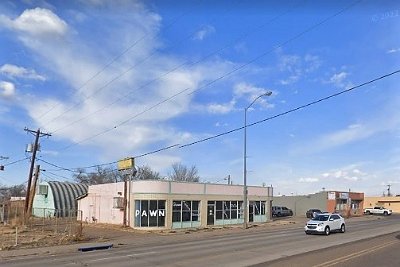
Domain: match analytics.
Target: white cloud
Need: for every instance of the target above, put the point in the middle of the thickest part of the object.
(37, 22)
(134, 102)
(205, 31)
(340, 80)
(352, 133)
(394, 50)
(350, 173)
(312, 63)
(220, 124)
(308, 180)
(297, 66)
(250, 92)
(20, 72)
(221, 108)
(7, 89)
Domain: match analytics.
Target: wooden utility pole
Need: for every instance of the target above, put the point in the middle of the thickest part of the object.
(37, 134)
(33, 189)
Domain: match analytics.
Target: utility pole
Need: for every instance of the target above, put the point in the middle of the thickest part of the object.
(33, 189)
(37, 134)
(388, 190)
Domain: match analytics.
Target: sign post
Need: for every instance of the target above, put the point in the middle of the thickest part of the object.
(126, 166)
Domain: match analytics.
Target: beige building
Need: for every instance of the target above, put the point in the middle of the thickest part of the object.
(345, 203)
(173, 205)
(392, 203)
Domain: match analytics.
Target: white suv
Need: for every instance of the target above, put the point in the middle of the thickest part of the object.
(325, 223)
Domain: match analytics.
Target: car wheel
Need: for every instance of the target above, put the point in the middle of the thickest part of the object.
(368, 212)
(343, 228)
(307, 233)
(327, 230)
(385, 213)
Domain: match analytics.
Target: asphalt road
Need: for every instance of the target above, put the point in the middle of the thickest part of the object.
(259, 247)
(382, 251)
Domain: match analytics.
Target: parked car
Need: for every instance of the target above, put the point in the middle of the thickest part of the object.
(279, 211)
(311, 213)
(325, 224)
(378, 211)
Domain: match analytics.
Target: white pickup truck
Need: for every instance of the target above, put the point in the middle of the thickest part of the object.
(377, 211)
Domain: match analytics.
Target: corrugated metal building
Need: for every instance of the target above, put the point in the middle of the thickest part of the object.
(56, 198)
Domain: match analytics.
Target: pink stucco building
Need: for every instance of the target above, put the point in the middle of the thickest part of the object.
(170, 205)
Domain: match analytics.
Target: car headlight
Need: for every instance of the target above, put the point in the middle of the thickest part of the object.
(320, 224)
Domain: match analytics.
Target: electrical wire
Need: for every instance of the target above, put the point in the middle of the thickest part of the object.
(186, 63)
(54, 165)
(297, 36)
(14, 162)
(126, 50)
(254, 123)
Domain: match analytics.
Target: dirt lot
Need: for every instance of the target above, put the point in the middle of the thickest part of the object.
(13, 237)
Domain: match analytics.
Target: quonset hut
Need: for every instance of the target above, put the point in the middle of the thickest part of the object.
(58, 199)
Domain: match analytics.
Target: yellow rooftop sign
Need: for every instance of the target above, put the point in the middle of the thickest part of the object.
(126, 163)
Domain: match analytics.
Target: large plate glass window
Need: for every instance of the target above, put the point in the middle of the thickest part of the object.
(150, 213)
(185, 211)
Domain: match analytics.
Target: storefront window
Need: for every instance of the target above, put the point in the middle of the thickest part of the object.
(228, 210)
(150, 213)
(185, 211)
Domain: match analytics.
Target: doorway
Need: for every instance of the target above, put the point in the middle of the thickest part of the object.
(210, 212)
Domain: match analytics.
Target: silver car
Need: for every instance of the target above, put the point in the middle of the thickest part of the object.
(325, 224)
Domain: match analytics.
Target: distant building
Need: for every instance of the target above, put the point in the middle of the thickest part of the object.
(392, 203)
(57, 199)
(346, 203)
(172, 205)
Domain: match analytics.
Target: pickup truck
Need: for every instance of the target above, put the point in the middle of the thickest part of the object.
(377, 211)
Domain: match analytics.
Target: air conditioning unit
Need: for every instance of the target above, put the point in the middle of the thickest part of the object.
(42, 190)
(118, 203)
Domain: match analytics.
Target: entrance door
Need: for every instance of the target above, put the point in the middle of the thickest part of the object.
(210, 212)
(251, 212)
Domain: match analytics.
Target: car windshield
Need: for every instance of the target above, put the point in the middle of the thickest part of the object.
(321, 217)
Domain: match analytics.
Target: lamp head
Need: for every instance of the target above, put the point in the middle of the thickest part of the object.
(268, 93)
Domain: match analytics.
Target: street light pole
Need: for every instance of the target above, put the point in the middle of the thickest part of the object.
(245, 205)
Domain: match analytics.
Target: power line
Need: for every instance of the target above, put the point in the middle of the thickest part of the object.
(117, 77)
(188, 63)
(75, 170)
(126, 50)
(294, 109)
(54, 165)
(254, 123)
(14, 162)
(219, 78)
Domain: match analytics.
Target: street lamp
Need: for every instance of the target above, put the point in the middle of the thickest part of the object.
(245, 211)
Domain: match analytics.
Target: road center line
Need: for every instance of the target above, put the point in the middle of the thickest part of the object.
(355, 255)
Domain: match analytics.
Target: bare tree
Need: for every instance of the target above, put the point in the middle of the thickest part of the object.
(100, 176)
(183, 173)
(12, 191)
(146, 173)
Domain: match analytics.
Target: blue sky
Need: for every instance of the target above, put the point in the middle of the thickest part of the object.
(111, 79)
